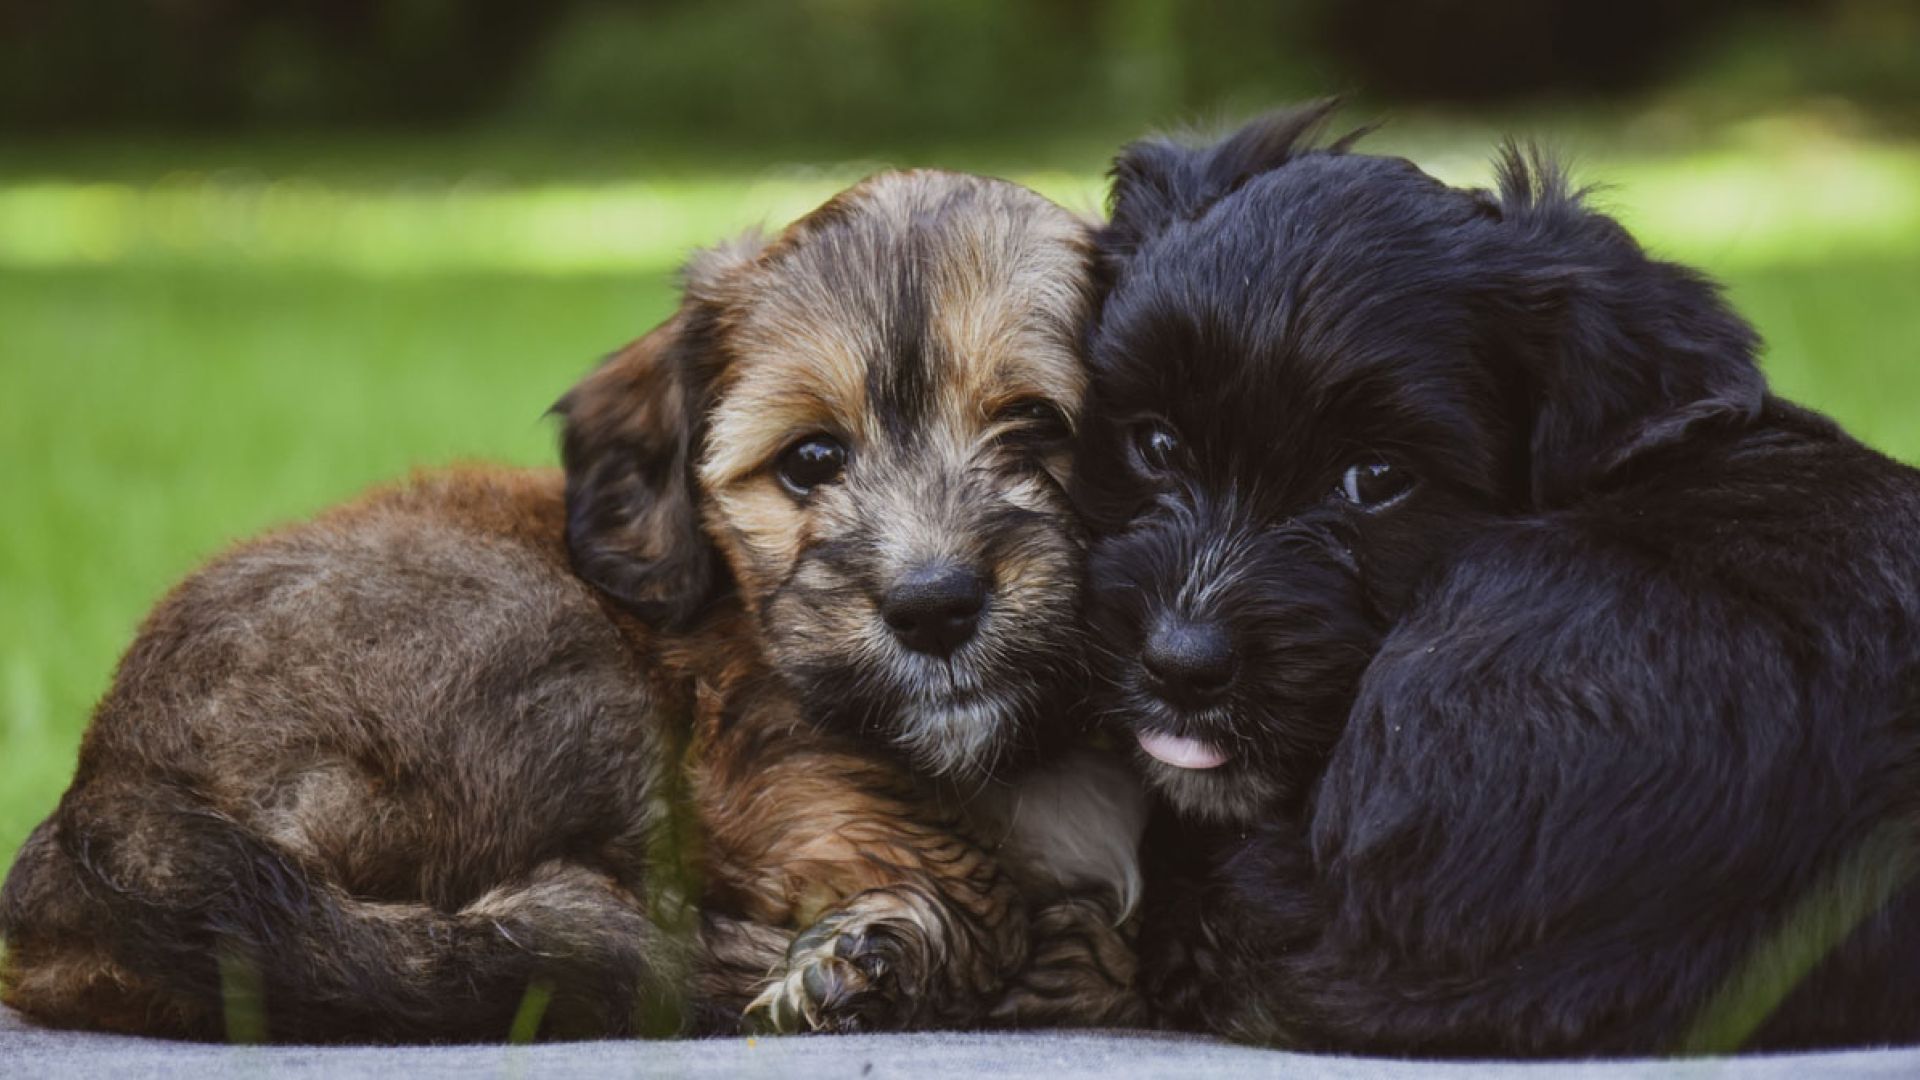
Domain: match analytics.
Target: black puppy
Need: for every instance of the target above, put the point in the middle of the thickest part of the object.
(1543, 684)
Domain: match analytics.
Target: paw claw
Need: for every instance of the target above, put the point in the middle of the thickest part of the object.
(833, 982)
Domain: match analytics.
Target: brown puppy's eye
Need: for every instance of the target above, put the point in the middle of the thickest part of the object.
(1372, 485)
(1031, 411)
(814, 460)
(1156, 445)
(1033, 422)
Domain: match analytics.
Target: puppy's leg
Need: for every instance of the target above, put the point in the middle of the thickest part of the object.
(737, 960)
(868, 965)
(1177, 952)
(1070, 835)
(1081, 971)
(1182, 958)
(931, 952)
(903, 920)
(218, 918)
(57, 965)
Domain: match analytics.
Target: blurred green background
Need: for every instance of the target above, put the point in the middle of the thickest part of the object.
(257, 255)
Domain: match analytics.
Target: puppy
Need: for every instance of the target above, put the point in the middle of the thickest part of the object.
(706, 726)
(1527, 679)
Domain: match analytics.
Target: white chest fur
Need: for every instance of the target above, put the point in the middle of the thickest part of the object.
(1073, 827)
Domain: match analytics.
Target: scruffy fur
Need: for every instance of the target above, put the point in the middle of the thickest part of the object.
(1596, 718)
(632, 735)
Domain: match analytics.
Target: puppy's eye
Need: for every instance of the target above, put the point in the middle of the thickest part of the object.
(1033, 422)
(1372, 485)
(1156, 445)
(814, 460)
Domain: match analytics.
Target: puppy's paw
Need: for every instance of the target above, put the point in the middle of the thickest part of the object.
(1081, 971)
(839, 978)
(1179, 981)
(1181, 965)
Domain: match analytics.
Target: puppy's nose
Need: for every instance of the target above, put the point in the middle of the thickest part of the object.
(1190, 662)
(934, 609)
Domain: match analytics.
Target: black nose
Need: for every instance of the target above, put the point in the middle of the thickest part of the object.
(934, 609)
(1191, 663)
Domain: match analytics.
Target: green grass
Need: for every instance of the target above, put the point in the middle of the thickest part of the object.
(1853, 891)
(187, 358)
(149, 417)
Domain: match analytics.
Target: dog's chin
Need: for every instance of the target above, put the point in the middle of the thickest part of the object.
(958, 736)
(1226, 795)
(1199, 772)
(954, 720)
(977, 713)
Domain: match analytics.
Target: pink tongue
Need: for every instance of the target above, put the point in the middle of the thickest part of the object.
(1181, 753)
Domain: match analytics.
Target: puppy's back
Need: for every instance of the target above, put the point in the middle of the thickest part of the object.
(1698, 692)
(347, 747)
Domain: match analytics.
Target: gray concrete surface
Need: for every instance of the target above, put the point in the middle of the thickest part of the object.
(27, 1052)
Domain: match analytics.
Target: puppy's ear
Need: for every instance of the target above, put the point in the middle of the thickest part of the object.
(630, 442)
(1158, 181)
(1638, 353)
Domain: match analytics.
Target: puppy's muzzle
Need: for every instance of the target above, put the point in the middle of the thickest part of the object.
(934, 609)
(1189, 664)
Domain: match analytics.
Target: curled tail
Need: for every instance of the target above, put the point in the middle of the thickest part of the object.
(180, 920)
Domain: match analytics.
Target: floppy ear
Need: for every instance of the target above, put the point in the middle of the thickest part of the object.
(1158, 181)
(631, 439)
(633, 516)
(1627, 354)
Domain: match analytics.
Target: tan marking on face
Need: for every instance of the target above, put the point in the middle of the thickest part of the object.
(812, 379)
(1000, 308)
(760, 532)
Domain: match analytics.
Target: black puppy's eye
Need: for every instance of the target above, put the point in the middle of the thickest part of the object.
(1157, 445)
(814, 460)
(1371, 485)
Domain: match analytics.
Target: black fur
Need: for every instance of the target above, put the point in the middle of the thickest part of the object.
(1565, 750)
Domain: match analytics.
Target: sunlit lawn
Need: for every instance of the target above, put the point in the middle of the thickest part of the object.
(187, 357)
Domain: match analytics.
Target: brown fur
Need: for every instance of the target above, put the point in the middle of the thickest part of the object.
(386, 770)
(354, 754)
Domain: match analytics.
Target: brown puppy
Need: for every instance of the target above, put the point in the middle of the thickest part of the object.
(382, 773)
